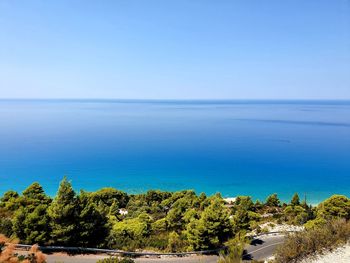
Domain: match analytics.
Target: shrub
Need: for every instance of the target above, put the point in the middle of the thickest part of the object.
(316, 239)
(175, 242)
(234, 252)
(6, 226)
(7, 253)
(115, 260)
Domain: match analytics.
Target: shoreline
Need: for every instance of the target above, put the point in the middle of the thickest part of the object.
(227, 198)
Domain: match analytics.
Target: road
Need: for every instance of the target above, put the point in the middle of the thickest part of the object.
(263, 247)
(260, 249)
(93, 258)
(90, 258)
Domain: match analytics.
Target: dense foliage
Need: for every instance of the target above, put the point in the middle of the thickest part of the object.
(111, 218)
(167, 221)
(329, 228)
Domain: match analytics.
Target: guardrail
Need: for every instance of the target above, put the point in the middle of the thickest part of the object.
(135, 254)
(120, 252)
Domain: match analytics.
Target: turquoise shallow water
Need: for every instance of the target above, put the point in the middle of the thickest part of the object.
(233, 147)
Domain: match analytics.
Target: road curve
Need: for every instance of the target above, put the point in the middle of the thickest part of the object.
(263, 247)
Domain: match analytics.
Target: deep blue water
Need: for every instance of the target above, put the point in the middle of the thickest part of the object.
(234, 147)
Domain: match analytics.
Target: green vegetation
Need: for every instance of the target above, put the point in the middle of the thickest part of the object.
(235, 249)
(8, 254)
(316, 239)
(155, 220)
(110, 218)
(335, 207)
(329, 229)
(116, 260)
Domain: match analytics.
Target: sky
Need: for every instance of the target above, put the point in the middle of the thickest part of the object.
(175, 49)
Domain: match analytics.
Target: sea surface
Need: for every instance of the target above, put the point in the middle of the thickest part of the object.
(234, 147)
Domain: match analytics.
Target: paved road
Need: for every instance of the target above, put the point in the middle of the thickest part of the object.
(64, 258)
(94, 258)
(260, 249)
(263, 247)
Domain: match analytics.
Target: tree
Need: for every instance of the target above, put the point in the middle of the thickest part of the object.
(258, 205)
(131, 233)
(241, 219)
(31, 221)
(295, 214)
(106, 197)
(156, 196)
(35, 195)
(337, 206)
(32, 227)
(64, 216)
(212, 229)
(93, 224)
(9, 201)
(273, 201)
(243, 213)
(175, 217)
(295, 200)
(244, 202)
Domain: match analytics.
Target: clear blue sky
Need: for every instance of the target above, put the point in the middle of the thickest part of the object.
(248, 49)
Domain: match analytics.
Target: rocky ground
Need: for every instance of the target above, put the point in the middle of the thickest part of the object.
(339, 255)
(273, 227)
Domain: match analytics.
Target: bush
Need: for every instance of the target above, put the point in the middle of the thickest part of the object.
(234, 252)
(175, 243)
(313, 240)
(115, 260)
(7, 253)
(6, 226)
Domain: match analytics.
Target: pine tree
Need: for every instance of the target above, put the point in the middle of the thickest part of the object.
(295, 200)
(32, 227)
(258, 205)
(273, 201)
(31, 221)
(212, 229)
(63, 215)
(93, 224)
(35, 191)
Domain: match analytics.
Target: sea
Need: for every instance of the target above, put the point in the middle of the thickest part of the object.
(234, 147)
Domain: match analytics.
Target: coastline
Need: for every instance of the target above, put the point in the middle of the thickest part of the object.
(205, 146)
(227, 197)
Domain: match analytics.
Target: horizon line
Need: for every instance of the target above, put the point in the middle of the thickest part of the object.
(174, 99)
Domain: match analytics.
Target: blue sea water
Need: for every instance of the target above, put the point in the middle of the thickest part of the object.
(234, 147)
